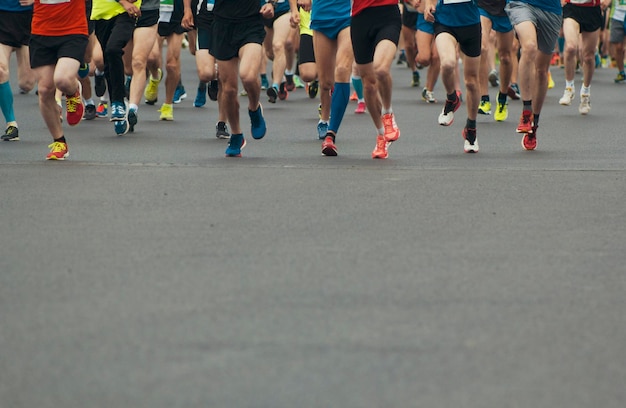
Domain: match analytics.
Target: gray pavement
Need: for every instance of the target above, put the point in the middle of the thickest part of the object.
(150, 271)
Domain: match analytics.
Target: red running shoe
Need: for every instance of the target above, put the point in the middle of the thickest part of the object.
(74, 108)
(328, 147)
(58, 151)
(380, 151)
(525, 122)
(529, 141)
(392, 133)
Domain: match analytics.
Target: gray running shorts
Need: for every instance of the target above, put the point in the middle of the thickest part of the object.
(547, 24)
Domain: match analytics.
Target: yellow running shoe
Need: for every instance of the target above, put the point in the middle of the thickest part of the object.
(502, 112)
(484, 108)
(550, 81)
(152, 90)
(167, 111)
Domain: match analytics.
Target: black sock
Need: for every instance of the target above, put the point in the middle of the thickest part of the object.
(484, 98)
(452, 97)
(536, 119)
(470, 124)
(528, 105)
(61, 139)
(502, 97)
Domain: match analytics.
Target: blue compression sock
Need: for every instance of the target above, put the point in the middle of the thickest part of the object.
(357, 84)
(6, 102)
(338, 105)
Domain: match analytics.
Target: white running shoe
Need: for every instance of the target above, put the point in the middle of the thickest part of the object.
(568, 96)
(585, 104)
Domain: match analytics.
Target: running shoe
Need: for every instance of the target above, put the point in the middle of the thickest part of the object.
(447, 113)
(11, 134)
(494, 79)
(83, 70)
(74, 108)
(58, 151)
(428, 96)
(380, 151)
(322, 129)
(550, 81)
(235, 145)
(568, 96)
(312, 88)
(90, 112)
(290, 85)
(102, 111)
(100, 85)
(121, 127)
(132, 119)
(415, 81)
(529, 141)
(264, 82)
(360, 108)
(502, 111)
(118, 111)
(167, 112)
(513, 92)
(179, 93)
(484, 108)
(392, 133)
(620, 78)
(259, 128)
(354, 96)
(525, 122)
(214, 87)
(221, 130)
(283, 93)
(298, 81)
(585, 104)
(152, 90)
(200, 100)
(471, 140)
(272, 94)
(328, 146)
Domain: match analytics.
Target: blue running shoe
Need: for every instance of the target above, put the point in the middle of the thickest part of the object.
(121, 127)
(272, 94)
(264, 83)
(132, 120)
(322, 129)
(83, 70)
(258, 123)
(180, 93)
(235, 145)
(118, 111)
(200, 96)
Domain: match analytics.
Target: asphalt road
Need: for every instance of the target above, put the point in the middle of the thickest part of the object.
(150, 271)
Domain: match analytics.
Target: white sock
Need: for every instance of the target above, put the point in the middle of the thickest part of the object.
(585, 90)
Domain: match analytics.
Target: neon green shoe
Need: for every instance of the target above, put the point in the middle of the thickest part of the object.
(484, 108)
(152, 90)
(502, 112)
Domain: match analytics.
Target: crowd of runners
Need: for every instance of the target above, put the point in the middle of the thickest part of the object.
(104, 58)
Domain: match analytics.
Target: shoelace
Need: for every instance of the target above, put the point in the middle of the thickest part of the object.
(57, 147)
(72, 102)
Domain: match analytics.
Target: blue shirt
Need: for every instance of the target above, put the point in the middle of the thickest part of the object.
(457, 13)
(330, 9)
(13, 6)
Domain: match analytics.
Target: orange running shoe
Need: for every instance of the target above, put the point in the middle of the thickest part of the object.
(328, 146)
(525, 122)
(380, 152)
(58, 151)
(74, 108)
(360, 108)
(353, 97)
(392, 133)
(529, 141)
